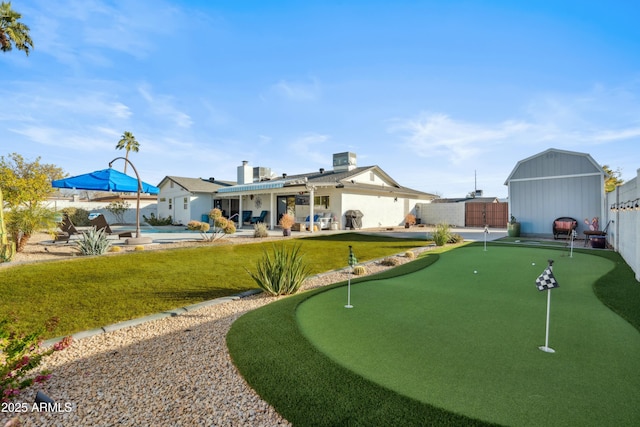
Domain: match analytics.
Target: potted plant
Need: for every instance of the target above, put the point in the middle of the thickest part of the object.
(286, 222)
(409, 220)
(513, 227)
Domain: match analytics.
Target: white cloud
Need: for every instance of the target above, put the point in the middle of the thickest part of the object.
(438, 134)
(163, 106)
(311, 147)
(298, 91)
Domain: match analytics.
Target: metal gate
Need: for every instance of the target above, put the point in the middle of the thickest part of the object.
(491, 214)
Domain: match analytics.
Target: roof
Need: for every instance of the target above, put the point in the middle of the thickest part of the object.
(197, 185)
(586, 156)
(468, 200)
(329, 178)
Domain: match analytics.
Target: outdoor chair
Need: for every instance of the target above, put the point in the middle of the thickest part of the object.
(257, 219)
(246, 217)
(67, 230)
(100, 223)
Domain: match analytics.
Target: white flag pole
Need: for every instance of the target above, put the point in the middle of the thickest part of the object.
(349, 290)
(573, 235)
(486, 231)
(546, 347)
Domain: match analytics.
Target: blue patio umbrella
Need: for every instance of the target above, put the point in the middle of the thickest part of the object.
(112, 180)
(105, 180)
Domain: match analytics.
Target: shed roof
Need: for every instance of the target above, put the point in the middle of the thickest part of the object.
(197, 185)
(555, 163)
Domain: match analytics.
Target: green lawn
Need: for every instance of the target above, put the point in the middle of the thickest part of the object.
(445, 346)
(91, 292)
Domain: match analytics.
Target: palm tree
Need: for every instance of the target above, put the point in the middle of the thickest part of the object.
(13, 32)
(129, 143)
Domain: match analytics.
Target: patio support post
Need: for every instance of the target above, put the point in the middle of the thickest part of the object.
(311, 207)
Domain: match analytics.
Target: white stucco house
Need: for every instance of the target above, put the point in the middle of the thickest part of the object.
(325, 194)
(184, 199)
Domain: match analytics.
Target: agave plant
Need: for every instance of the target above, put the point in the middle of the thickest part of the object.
(281, 273)
(93, 242)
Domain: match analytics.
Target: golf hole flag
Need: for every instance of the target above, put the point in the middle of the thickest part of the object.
(546, 280)
(352, 261)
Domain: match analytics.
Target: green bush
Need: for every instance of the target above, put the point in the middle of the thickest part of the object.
(260, 230)
(22, 353)
(157, 221)
(78, 216)
(283, 273)
(93, 242)
(441, 234)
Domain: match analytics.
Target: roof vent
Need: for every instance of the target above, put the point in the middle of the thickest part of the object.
(212, 179)
(284, 175)
(321, 170)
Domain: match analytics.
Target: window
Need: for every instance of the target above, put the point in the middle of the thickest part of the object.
(170, 204)
(186, 203)
(321, 201)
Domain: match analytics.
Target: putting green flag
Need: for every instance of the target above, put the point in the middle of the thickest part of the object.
(352, 258)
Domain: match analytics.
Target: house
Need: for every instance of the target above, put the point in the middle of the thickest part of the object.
(184, 199)
(326, 195)
(553, 184)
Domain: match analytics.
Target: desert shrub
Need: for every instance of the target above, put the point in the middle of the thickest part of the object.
(410, 254)
(455, 238)
(410, 219)
(22, 353)
(139, 248)
(118, 209)
(194, 225)
(389, 262)
(359, 270)
(441, 234)
(230, 228)
(93, 242)
(157, 221)
(260, 230)
(281, 273)
(115, 249)
(78, 216)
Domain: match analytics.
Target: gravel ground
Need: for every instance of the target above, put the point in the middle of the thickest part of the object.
(174, 371)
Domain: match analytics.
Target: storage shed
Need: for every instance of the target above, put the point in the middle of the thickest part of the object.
(553, 184)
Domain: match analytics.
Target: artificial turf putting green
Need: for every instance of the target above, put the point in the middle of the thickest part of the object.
(468, 342)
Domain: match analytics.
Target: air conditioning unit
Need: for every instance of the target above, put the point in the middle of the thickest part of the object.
(261, 174)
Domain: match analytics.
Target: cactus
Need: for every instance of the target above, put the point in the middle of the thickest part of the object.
(359, 270)
(7, 249)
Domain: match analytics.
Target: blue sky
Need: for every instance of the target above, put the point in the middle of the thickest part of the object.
(433, 92)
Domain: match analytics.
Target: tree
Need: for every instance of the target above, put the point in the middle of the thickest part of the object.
(25, 183)
(25, 186)
(613, 181)
(13, 32)
(128, 143)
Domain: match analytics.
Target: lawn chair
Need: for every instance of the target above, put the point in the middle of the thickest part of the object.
(67, 230)
(246, 217)
(100, 223)
(257, 219)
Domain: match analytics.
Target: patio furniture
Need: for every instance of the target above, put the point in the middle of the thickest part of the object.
(260, 218)
(246, 217)
(564, 225)
(68, 229)
(596, 237)
(100, 223)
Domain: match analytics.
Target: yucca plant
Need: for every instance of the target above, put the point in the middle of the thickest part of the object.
(441, 234)
(359, 270)
(93, 242)
(281, 273)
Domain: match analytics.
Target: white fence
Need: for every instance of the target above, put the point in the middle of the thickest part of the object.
(437, 213)
(146, 208)
(623, 210)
